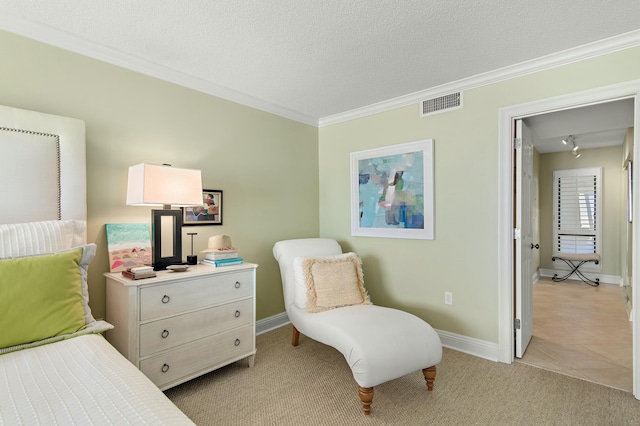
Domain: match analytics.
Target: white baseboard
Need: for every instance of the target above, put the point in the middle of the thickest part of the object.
(536, 276)
(468, 345)
(271, 323)
(604, 279)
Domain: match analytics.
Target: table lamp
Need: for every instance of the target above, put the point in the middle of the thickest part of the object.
(166, 186)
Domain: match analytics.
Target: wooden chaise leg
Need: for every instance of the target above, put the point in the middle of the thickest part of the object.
(366, 396)
(295, 337)
(430, 376)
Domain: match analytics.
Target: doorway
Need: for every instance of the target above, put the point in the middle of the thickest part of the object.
(578, 329)
(506, 273)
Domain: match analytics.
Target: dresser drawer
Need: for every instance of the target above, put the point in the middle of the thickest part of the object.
(170, 332)
(192, 293)
(208, 353)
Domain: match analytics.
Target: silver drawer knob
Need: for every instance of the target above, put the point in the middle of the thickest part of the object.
(237, 284)
(165, 299)
(237, 314)
(165, 368)
(237, 342)
(165, 334)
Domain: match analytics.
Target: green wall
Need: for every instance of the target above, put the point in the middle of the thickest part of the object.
(463, 258)
(612, 194)
(266, 165)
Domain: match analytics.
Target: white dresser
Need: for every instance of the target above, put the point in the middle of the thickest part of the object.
(180, 325)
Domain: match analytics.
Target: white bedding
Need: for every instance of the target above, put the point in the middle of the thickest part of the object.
(83, 380)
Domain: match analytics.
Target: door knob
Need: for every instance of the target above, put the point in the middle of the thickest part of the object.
(537, 246)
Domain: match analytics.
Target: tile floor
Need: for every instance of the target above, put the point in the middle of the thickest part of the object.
(582, 331)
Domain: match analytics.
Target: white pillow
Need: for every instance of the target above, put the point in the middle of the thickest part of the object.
(46, 237)
(88, 253)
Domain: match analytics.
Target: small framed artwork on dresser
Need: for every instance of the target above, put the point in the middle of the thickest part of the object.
(208, 213)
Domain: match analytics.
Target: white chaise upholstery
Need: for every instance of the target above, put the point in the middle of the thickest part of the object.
(378, 343)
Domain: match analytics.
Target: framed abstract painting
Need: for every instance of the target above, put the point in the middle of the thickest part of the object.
(392, 191)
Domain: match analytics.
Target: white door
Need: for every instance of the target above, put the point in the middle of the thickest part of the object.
(523, 244)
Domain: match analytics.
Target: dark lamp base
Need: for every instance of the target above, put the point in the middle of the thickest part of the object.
(162, 266)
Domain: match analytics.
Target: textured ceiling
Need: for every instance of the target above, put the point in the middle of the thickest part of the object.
(323, 58)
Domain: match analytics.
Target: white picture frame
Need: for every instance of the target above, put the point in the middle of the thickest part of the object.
(392, 191)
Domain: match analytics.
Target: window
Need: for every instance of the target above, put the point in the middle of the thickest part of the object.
(577, 201)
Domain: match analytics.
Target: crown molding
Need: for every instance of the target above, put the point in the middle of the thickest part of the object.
(63, 40)
(587, 51)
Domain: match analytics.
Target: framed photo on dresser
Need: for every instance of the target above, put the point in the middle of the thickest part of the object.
(208, 213)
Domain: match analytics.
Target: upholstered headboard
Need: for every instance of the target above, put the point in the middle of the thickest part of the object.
(42, 167)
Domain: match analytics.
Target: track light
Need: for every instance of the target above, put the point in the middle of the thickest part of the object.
(575, 148)
(572, 140)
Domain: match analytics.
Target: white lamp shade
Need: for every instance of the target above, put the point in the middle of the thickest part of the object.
(153, 185)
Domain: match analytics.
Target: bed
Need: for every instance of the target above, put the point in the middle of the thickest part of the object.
(55, 365)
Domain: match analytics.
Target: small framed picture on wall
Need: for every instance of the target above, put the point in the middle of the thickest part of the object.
(208, 213)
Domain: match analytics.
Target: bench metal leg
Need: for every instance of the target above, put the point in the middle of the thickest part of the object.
(575, 269)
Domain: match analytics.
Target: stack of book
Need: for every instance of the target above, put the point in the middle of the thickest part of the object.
(222, 258)
(139, 272)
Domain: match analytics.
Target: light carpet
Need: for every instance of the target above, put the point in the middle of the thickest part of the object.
(312, 385)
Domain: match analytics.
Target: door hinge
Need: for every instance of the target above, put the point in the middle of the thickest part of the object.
(516, 324)
(516, 233)
(517, 143)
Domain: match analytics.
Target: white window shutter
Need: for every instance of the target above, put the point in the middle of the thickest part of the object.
(577, 210)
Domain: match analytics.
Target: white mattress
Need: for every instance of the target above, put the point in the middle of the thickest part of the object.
(83, 380)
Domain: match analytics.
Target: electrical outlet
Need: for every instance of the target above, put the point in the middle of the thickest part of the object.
(448, 298)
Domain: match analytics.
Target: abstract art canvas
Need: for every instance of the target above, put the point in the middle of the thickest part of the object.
(129, 245)
(392, 191)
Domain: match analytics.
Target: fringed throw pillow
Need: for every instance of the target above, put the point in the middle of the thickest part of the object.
(333, 282)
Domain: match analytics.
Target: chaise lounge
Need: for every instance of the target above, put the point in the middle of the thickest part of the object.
(325, 300)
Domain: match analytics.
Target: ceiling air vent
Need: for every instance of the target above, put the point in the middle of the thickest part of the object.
(441, 104)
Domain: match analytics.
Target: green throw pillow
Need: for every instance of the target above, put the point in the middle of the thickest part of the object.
(40, 297)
